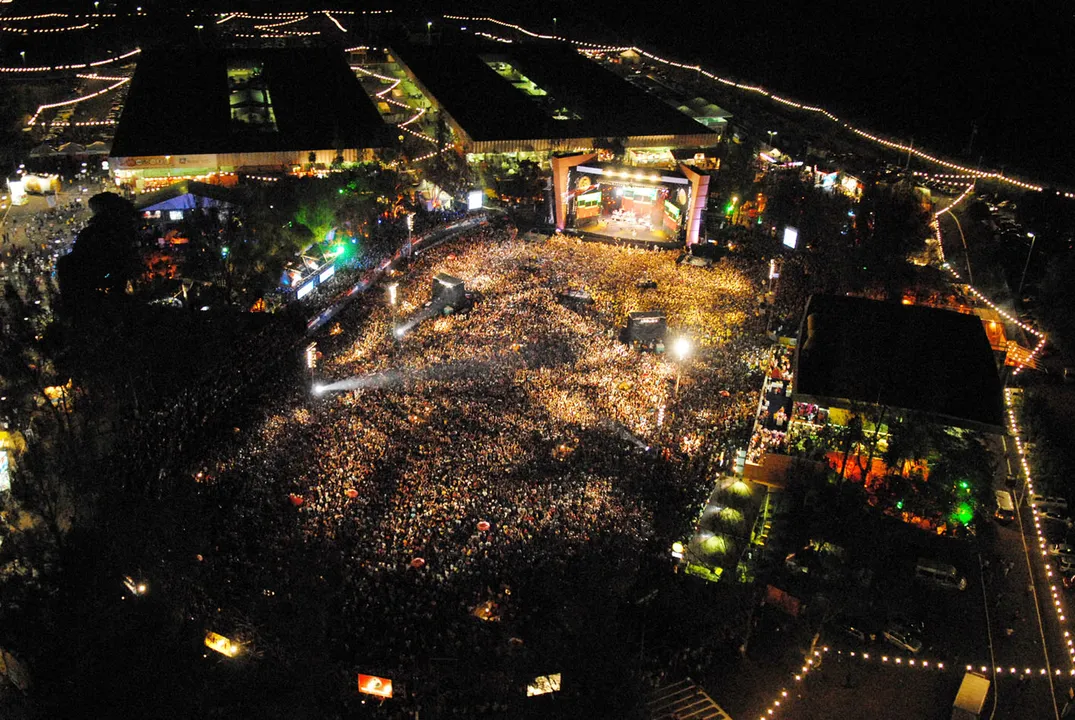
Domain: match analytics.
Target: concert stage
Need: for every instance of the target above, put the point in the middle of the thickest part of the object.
(630, 205)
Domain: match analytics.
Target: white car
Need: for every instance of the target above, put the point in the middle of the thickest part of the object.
(903, 639)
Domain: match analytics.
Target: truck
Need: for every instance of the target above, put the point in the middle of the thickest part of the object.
(970, 700)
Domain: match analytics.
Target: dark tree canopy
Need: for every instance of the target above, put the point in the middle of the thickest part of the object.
(104, 259)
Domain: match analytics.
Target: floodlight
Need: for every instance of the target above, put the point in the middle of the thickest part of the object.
(681, 347)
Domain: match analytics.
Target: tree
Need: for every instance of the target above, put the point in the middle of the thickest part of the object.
(104, 260)
(891, 226)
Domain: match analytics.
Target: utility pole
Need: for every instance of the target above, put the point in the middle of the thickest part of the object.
(1019, 292)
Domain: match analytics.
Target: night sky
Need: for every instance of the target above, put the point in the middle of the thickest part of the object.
(927, 70)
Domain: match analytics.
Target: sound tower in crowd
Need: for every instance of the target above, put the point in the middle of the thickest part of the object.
(450, 290)
(647, 328)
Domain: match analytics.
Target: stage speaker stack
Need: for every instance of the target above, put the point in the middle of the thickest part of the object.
(647, 328)
(449, 289)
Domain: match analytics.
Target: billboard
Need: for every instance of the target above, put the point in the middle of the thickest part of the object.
(373, 685)
(791, 237)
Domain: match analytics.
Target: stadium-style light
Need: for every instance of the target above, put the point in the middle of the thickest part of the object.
(681, 347)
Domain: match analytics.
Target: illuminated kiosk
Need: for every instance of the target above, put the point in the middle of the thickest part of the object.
(624, 204)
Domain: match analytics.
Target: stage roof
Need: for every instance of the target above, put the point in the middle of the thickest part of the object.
(180, 103)
(182, 195)
(854, 350)
(488, 107)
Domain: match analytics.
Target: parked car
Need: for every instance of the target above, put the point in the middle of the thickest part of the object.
(1047, 502)
(903, 639)
(1054, 515)
(1062, 550)
(853, 628)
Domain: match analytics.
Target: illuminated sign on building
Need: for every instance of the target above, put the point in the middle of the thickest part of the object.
(373, 685)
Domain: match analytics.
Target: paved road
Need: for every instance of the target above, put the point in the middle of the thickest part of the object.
(1022, 596)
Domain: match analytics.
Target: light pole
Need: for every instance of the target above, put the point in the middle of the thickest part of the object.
(410, 234)
(1019, 292)
(554, 26)
(429, 32)
(771, 133)
(681, 348)
(392, 298)
(966, 251)
(22, 53)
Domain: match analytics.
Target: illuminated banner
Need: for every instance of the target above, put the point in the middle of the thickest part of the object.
(221, 644)
(373, 685)
(543, 684)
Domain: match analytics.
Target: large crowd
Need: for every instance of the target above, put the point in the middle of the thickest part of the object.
(475, 463)
(30, 243)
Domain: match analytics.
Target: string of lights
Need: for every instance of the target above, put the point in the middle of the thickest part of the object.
(1024, 463)
(335, 21)
(78, 123)
(75, 101)
(497, 38)
(962, 196)
(282, 23)
(41, 31)
(95, 76)
(757, 89)
(73, 66)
